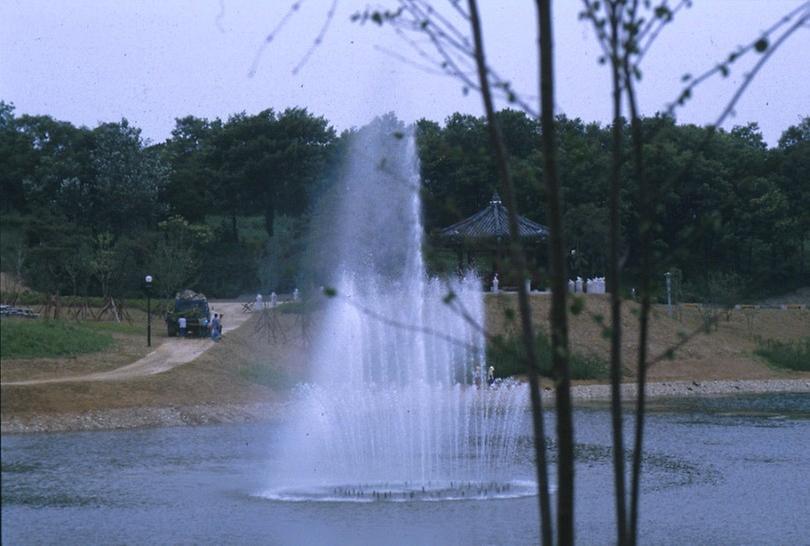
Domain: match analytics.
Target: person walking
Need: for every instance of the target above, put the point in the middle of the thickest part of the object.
(181, 323)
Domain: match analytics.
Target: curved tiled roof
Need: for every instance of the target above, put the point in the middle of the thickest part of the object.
(493, 222)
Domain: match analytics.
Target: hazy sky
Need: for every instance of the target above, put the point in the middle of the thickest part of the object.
(150, 61)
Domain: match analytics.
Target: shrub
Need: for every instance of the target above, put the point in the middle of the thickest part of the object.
(786, 354)
(508, 357)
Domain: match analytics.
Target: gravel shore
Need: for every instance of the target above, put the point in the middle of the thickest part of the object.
(112, 419)
(681, 389)
(207, 414)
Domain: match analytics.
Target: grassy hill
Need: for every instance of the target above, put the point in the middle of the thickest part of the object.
(726, 351)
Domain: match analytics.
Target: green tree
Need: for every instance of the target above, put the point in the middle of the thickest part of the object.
(176, 256)
(793, 156)
(269, 163)
(188, 153)
(128, 179)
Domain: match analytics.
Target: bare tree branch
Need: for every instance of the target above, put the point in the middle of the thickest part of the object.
(803, 11)
(519, 257)
(273, 33)
(749, 77)
(318, 39)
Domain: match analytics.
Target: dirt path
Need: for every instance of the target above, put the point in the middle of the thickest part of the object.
(171, 353)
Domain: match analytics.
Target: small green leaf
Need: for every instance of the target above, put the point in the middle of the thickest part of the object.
(663, 12)
(399, 135)
(329, 292)
(761, 45)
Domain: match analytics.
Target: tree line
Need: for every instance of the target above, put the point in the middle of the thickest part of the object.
(739, 216)
(89, 211)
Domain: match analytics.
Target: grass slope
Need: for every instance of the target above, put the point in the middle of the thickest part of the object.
(23, 338)
(726, 352)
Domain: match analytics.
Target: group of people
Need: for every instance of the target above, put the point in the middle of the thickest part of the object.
(215, 327)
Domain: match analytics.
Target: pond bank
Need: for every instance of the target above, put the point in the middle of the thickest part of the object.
(209, 414)
(685, 389)
(145, 417)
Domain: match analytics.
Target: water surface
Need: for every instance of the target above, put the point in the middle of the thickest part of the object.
(717, 471)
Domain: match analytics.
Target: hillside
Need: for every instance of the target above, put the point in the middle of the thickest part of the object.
(248, 375)
(727, 352)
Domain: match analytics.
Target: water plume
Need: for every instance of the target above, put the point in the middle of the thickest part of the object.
(398, 407)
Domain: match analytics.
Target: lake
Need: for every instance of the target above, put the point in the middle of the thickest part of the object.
(726, 470)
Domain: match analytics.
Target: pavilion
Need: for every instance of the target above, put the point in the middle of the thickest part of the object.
(487, 232)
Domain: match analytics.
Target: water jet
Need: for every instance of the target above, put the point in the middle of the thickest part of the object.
(396, 409)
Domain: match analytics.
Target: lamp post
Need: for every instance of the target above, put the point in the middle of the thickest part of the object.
(148, 286)
(574, 267)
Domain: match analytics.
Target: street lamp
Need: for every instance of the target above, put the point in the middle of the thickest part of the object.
(148, 286)
(573, 267)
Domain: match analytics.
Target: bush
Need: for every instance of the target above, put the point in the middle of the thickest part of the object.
(22, 338)
(786, 354)
(508, 357)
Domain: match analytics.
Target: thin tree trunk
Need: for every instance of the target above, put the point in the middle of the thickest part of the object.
(645, 228)
(614, 285)
(557, 256)
(519, 257)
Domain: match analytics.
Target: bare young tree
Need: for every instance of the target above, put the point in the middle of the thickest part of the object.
(519, 258)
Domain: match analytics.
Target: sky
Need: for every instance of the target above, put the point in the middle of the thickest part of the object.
(151, 61)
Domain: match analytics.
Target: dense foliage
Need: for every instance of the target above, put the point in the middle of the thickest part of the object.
(225, 206)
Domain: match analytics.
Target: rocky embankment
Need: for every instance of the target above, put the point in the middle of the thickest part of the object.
(680, 389)
(208, 414)
(111, 419)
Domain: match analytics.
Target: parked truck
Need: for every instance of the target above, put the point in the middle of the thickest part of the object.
(193, 306)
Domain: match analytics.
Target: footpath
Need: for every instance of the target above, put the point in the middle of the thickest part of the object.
(171, 353)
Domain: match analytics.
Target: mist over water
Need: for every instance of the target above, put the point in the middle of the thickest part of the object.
(398, 406)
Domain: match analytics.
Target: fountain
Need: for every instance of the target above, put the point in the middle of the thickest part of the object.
(399, 408)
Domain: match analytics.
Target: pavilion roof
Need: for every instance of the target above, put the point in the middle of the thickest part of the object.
(492, 222)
